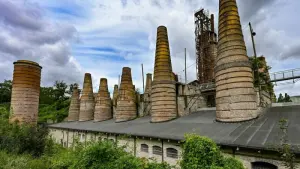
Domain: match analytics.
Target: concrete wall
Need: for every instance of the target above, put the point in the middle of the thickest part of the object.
(189, 99)
(285, 104)
(130, 144)
(133, 145)
(295, 99)
(247, 161)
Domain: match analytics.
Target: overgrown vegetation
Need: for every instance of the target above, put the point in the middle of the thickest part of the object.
(202, 152)
(261, 76)
(23, 147)
(285, 149)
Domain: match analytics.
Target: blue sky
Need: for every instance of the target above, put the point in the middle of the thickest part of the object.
(71, 37)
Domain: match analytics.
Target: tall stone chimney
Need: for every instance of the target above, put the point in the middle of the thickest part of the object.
(115, 94)
(163, 91)
(87, 103)
(103, 102)
(235, 95)
(147, 94)
(126, 107)
(74, 106)
(114, 99)
(148, 83)
(25, 92)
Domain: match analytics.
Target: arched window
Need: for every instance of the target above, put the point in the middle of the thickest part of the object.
(144, 148)
(157, 150)
(263, 165)
(172, 153)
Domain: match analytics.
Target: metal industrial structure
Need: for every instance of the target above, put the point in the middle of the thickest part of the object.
(206, 46)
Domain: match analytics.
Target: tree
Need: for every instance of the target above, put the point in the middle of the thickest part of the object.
(202, 152)
(47, 95)
(71, 88)
(5, 91)
(282, 99)
(60, 89)
(287, 98)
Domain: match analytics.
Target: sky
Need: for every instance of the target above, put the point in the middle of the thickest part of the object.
(71, 37)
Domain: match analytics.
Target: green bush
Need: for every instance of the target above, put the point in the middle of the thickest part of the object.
(101, 155)
(230, 162)
(22, 138)
(202, 152)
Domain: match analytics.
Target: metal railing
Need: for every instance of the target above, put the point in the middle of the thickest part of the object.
(292, 74)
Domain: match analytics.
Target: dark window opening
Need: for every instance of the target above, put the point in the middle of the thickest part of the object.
(172, 153)
(263, 165)
(144, 148)
(157, 150)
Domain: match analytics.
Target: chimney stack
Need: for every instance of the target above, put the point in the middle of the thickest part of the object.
(126, 107)
(74, 105)
(114, 100)
(148, 83)
(87, 102)
(25, 92)
(235, 95)
(163, 92)
(103, 102)
(212, 22)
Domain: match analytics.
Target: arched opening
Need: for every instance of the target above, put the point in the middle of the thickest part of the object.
(263, 165)
(144, 148)
(172, 153)
(157, 150)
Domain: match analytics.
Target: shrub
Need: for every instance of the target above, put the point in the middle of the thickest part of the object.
(202, 152)
(22, 138)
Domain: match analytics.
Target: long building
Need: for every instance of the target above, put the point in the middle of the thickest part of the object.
(252, 142)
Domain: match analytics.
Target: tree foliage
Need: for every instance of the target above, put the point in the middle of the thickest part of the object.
(282, 99)
(202, 152)
(22, 138)
(5, 91)
(261, 75)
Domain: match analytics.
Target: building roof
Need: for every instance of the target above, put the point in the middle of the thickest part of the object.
(261, 133)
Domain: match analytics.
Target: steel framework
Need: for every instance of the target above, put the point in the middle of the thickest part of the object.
(206, 46)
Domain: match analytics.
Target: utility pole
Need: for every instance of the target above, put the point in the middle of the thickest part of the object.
(255, 57)
(143, 78)
(185, 65)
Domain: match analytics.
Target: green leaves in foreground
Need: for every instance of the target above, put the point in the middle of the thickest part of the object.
(202, 153)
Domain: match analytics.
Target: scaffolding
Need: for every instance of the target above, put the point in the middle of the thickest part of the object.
(206, 46)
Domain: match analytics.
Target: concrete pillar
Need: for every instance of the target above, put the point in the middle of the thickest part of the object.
(148, 82)
(115, 98)
(163, 91)
(74, 106)
(103, 102)
(126, 106)
(147, 95)
(235, 95)
(87, 101)
(25, 92)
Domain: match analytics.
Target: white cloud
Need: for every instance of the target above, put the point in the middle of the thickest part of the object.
(125, 35)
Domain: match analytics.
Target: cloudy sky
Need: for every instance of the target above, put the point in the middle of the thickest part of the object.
(71, 37)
